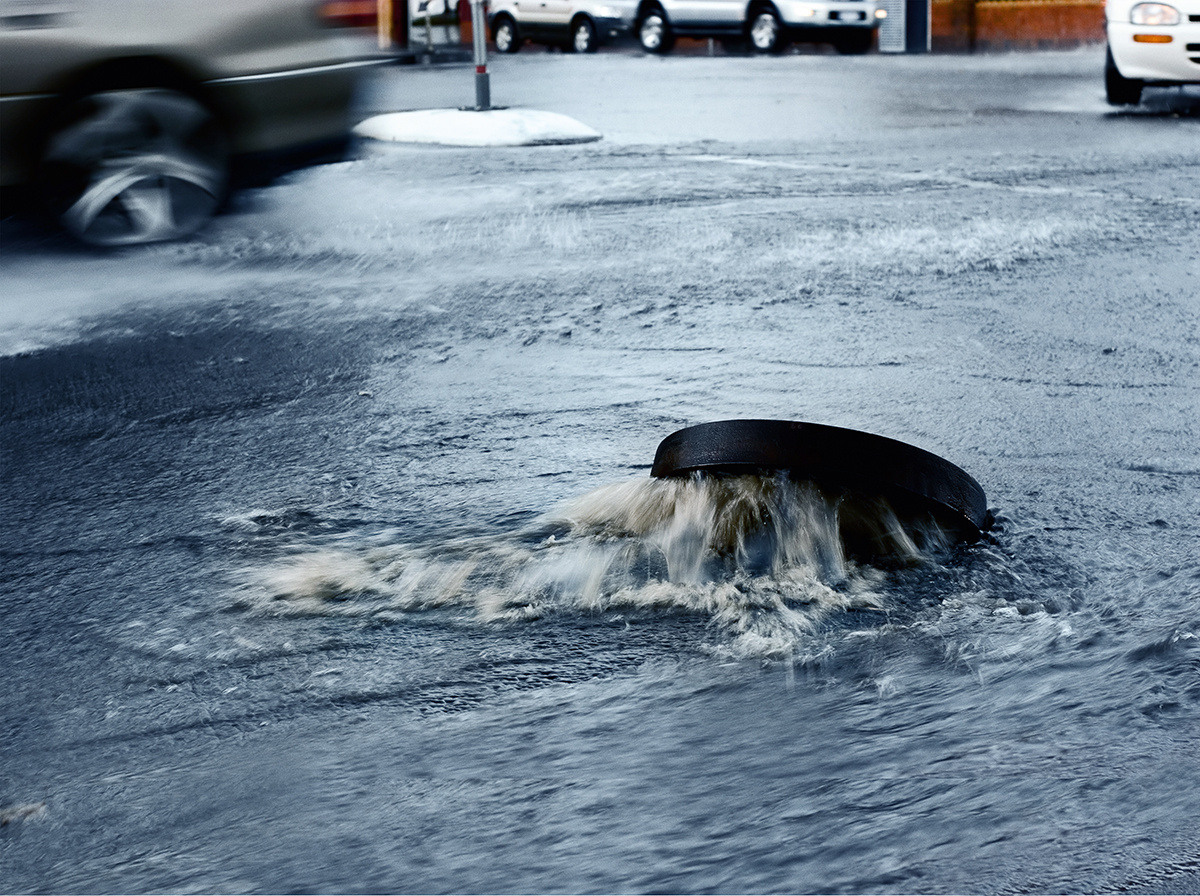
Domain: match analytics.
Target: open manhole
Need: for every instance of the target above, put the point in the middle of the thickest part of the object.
(874, 482)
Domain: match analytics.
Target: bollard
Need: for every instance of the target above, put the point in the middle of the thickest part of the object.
(383, 24)
(483, 99)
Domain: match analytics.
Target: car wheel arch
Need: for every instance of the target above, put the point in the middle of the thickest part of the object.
(756, 6)
(647, 7)
(582, 17)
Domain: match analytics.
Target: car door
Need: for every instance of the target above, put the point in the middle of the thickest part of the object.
(719, 14)
(541, 18)
(556, 14)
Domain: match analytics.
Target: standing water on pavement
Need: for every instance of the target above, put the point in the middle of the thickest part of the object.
(330, 560)
(759, 559)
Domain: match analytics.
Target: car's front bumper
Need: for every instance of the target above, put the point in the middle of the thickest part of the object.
(1176, 62)
(852, 14)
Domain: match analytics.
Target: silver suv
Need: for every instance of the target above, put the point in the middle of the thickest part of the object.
(575, 25)
(767, 25)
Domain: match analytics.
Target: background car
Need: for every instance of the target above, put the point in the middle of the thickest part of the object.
(580, 26)
(767, 25)
(128, 118)
(1150, 44)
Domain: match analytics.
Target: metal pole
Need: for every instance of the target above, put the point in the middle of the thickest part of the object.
(423, 6)
(483, 97)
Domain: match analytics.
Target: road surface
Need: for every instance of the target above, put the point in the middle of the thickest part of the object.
(318, 565)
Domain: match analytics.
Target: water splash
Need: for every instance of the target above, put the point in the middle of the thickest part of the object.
(763, 559)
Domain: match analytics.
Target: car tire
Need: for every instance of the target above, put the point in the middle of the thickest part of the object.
(854, 43)
(1119, 90)
(840, 462)
(654, 32)
(505, 36)
(584, 38)
(127, 167)
(765, 31)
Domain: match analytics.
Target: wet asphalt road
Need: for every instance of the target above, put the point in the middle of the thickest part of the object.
(379, 375)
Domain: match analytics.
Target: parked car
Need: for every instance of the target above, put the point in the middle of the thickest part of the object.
(1150, 44)
(768, 26)
(126, 118)
(579, 26)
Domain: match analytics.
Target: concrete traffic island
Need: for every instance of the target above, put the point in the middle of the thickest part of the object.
(474, 127)
(483, 124)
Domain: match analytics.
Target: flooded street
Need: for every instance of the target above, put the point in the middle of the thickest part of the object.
(331, 561)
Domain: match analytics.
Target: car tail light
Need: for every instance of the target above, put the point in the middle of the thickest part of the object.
(348, 13)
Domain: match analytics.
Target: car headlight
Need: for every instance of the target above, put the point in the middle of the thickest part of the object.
(608, 12)
(1154, 14)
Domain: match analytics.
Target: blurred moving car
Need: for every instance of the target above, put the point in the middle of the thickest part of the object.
(767, 25)
(1150, 44)
(127, 117)
(580, 26)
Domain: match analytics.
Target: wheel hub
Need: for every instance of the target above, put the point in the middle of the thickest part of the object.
(652, 33)
(764, 31)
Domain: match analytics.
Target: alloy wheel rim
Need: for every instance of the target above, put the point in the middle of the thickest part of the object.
(143, 199)
(652, 32)
(137, 166)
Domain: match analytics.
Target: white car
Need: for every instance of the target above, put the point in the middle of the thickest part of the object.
(1150, 44)
(576, 25)
(768, 25)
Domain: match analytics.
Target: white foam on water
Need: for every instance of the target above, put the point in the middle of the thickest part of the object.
(28, 811)
(761, 558)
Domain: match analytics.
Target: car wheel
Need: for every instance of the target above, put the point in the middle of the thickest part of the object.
(1119, 90)
(504, 35)
(583, 36)
(841, 462)
(766, 31)
(654, 32)
(854, 43)
(125, 167)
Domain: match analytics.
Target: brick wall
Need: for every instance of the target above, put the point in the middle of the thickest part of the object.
(964, 25)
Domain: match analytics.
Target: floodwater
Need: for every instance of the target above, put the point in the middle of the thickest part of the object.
(331, 560)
